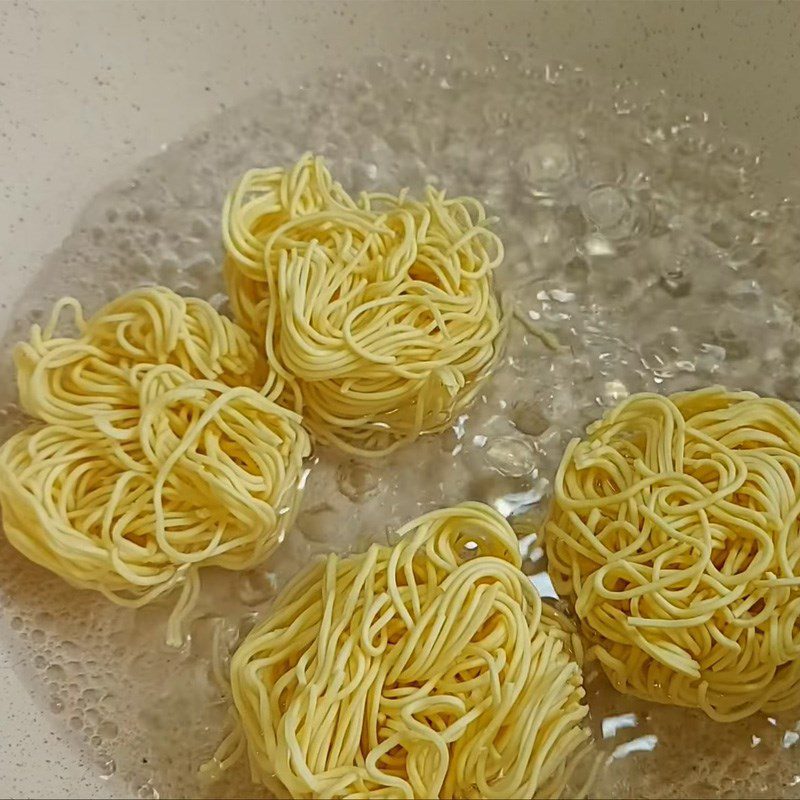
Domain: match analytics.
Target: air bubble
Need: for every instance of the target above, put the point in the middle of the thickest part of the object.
(256, 586)
(510, 456)
(598, 245)
(55, 673)
(529, 418)
(720, 234)
(147, 792)
(545, 165)
(614, 392)
(357, 481)
(91, 717)
(675, 282)
(106, 768)
(107, 730)
(610, 210)
(69, 649)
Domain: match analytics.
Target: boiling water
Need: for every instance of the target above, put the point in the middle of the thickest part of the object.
(641, 255)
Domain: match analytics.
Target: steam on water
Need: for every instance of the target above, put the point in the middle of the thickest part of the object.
(640, 248)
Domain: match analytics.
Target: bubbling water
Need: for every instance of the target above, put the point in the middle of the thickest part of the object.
(641, 255)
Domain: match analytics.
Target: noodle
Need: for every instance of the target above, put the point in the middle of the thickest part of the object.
(427, 669)
(378, 315)
(85, 381)
(675, 531)
(144, 471)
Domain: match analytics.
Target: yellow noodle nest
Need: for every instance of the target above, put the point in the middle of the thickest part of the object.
(145, 473)
(675, 531)
(86, 380)
(427, 669)
(377, 314)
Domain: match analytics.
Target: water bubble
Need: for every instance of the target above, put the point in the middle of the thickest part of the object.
(91, 716)
(609, 209)
(106, 767)
(319, 522)
(614, 392)
(256, 586)
(736, 346)
(721, 234)
(560, 295)
(529, 418)
(357, 480)
(69, 649)
(55, 673)
(746, 254)
(543, 230)
(710, 358)
(546, 164)
(675, 282)
(107, 730)
(744, 294)
(598, 245)
(573, 222)
(511, 456)
(515, 503)
(147, 792)
(91, 695)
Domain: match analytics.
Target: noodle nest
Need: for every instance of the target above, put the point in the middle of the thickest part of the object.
(86, 380)
(377, 314)
(145, 473)
(674, 530)
(427, 669)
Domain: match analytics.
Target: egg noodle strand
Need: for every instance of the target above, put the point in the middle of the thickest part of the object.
(427, 669)
(143, 472)
(377, 314)
(85, 380)
(675, 531)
